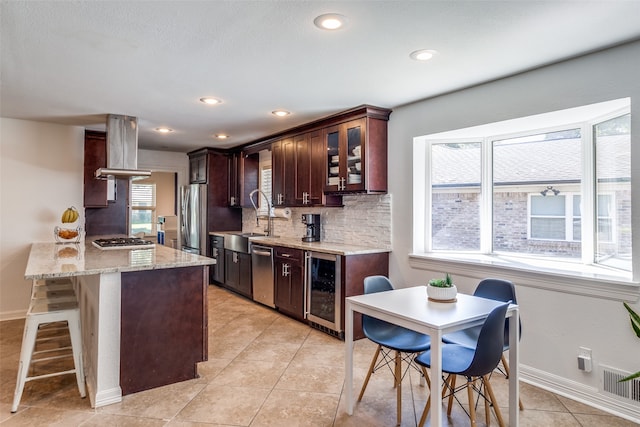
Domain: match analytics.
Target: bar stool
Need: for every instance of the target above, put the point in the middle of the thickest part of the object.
(43, 311)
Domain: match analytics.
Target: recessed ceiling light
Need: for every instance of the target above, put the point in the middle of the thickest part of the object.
(211, 101)
(221, 136)
(280, 113)
(164, 130)
(422, 54)
(330, 21)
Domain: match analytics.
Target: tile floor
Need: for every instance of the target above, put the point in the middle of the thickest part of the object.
(264, 369)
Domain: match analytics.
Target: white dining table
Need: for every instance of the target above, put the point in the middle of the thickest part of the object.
(410, 308)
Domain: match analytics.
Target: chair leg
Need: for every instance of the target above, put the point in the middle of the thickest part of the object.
(371, 367)
(472, 406)
(76, 344)
(398, 376)
(487, 410)
(505, 365)
(452, 386)
(427, 406)
(494, 403)
(28, 343)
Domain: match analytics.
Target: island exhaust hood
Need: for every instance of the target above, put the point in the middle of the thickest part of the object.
(122, 149)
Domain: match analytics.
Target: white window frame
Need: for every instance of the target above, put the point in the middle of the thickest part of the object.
(153, 209)
(583, 276)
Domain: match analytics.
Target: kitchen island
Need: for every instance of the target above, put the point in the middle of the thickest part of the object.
(144, 313)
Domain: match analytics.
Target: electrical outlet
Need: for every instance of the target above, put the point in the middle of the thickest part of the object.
(584, 359)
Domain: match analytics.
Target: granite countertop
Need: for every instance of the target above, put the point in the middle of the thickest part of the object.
(50, 259)
(326, 247)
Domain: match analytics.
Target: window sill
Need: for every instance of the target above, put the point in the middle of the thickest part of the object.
(584, 280)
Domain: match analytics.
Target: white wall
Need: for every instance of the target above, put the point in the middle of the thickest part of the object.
(555, 324)
(41, 174)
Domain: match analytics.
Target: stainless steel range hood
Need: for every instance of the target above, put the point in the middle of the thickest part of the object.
(122, 149)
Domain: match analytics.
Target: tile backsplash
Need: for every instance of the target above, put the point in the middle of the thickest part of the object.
(365, 220)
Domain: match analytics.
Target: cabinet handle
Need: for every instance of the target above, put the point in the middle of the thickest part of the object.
(342, 185)
(233, 201)
(235, 257)
(286, 255)
(215, 252)
(285, 270)
(305, 198)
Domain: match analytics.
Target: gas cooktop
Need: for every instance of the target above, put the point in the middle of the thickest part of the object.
(123, 243)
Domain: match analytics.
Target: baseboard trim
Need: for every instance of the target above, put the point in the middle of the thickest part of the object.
(13, 315)
(579, 392)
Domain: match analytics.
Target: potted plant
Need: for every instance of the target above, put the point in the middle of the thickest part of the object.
(635, 325)
(442, 290)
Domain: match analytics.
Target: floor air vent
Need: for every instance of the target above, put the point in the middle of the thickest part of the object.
(326, 330)
(611, 384)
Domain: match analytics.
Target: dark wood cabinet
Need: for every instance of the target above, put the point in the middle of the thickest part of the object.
(95, 156)
(289, 281)
(163, 326)
(299, 171)
(283, 172)
(216, 245)
(354, 269)
(220, 217)
(356, 156)
(237, 272)
(102, 216)
(244, 175)
(198, 168)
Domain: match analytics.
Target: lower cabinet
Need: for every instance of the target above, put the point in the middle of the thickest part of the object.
(216, 271)
(289, 281)
(237, 272)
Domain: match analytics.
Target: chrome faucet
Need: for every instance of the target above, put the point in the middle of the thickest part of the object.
(269, 215)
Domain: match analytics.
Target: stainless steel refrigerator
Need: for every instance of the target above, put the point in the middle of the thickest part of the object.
(193, 218)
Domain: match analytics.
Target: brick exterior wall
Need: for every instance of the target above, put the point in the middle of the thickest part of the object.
(455, 219)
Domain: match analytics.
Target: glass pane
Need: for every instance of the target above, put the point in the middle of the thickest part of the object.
(577, 229)
(333, 158)
(547, 228)
(142, 220)
(353, 155)
(455, 192)
(540, 169)
(547, 205)
(576, 206)
(323, 289)
(613, 187)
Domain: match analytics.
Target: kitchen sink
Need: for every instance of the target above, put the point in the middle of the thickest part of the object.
(239, 242)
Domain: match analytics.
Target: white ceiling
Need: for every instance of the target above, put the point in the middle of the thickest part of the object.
(73, 62)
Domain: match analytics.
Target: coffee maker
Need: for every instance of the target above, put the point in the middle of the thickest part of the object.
(313, 227)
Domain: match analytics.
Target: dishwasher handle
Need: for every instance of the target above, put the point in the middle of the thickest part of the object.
(262, 251)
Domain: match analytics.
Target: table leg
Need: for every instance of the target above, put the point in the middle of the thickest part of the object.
(348, 348)
(514, 368)
(436, 379)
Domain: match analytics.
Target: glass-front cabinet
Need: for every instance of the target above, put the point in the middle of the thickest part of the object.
(345, 154)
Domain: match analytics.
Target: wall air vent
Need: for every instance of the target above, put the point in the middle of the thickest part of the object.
(610, 378)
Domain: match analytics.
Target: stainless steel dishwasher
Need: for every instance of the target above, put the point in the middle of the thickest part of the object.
(262, 274)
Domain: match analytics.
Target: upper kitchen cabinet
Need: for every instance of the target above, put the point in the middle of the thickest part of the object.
(356, 156)
(298, 171)
(198, 167)
(243, 177)
(283, 160)
(95, 156)
(211, 167)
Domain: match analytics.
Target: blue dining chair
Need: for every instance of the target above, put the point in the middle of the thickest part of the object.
(473, 363)
(390, 338)
(495, 289)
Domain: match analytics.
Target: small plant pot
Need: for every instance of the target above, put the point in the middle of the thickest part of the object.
(442, 294)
